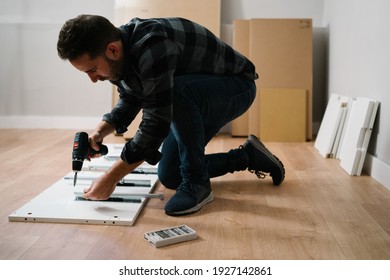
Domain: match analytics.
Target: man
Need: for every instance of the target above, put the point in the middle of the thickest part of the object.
(188, 83)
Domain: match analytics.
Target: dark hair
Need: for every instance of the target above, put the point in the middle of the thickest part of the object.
(86, 34)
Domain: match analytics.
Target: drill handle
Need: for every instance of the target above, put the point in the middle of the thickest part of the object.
(103, 150)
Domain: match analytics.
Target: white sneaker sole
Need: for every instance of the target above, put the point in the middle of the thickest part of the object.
(194, 209)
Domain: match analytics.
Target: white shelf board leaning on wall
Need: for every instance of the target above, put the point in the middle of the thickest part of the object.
(345, 131)
(331, 127)
(357, 134)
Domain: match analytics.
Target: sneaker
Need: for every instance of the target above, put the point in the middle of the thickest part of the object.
(262, 161)
(189, 198)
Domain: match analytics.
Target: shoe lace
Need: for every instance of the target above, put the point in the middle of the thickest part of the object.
(259, 174)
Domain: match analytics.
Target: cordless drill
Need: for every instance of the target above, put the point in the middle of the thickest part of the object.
(81, 150)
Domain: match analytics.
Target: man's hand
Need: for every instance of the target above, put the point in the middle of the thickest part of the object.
(104, 186)
(101, 189)
(101, 131)
(94, 139)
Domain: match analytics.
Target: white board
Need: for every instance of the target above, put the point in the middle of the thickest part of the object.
(346, 130)
(357, 134)
(328, 138)
(60, 203)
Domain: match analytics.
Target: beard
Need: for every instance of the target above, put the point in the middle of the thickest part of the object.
(116, 69)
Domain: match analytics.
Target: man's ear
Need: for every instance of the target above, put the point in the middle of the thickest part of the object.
(113, 51)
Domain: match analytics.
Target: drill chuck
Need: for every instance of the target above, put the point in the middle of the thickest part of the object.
(77, 165)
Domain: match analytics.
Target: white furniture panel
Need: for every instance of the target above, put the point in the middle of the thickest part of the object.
(331, 126)
(357, 134)
(62, 202)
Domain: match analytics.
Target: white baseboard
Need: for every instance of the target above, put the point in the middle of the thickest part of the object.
(378, 170)
(46, 122)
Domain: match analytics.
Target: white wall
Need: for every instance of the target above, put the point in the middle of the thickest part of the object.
(37, 88)
(359, 58)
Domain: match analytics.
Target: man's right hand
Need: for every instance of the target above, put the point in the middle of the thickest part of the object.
(102, 130)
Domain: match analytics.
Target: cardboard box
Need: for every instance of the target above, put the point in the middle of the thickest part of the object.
(205, 12)
(283, 115)
(281, 49)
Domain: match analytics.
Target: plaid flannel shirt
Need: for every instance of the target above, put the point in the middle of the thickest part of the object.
(155, 51)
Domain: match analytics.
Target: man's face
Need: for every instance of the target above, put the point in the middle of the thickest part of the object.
(100, 68)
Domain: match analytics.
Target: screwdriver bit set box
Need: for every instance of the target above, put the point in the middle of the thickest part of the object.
(63, 203)
(167, 236)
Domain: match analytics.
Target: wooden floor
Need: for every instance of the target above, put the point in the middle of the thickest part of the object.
(319, 212)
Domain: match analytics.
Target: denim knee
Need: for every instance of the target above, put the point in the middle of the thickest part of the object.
(169, 180)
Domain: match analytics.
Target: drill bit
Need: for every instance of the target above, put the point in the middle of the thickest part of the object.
(82, 150)
(75, 179)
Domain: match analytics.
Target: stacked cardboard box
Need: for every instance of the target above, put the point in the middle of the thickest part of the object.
(281, 49)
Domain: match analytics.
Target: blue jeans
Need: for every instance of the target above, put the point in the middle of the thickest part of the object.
(202, 105)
